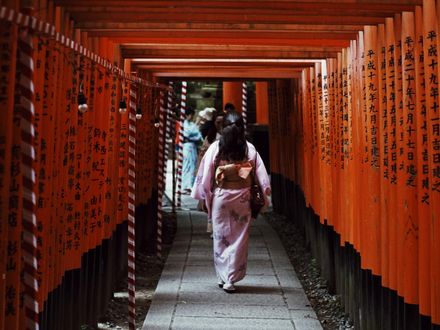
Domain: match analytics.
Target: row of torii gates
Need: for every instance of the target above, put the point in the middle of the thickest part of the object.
(348, 90)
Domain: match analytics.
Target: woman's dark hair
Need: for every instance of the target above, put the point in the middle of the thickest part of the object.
(209, 130)
(232, 144)
(189, 111)
(229, 107)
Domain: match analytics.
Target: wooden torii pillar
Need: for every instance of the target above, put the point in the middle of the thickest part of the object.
(232, 93)
(262, 103)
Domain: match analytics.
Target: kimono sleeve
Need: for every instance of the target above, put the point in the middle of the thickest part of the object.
(192, 132)
(262, 176)
(263, 180)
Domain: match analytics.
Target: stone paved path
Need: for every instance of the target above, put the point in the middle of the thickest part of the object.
(187, 296)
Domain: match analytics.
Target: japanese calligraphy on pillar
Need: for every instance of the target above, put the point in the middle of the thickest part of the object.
(423, 210)
(409, 171)
(123, 166)
(320, 114)
(40, 143)
(372, 224)
(313, 108)
(69, 160)
(344, 111)
(383, 138)
(326, 101)
(8, 216)
(82, 81)
(409, 105)
(111, 182)
(44, 173)
(383, 109)
(431, 70)
(372, 100)
(13, 257)
(432, 101)
(331, 101)
(391, 175)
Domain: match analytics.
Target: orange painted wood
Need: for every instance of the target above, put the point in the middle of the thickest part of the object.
(262, 105)
(331, 86)
(276, 52)
(71, 255)
(53, 89)
(320, 120)
(430, 45)
(352, 160)
(269, 7)
(123, 155)
(356, 133)
(433, 139)
(108, 27)
(230, 18)
(400, 224)
(110, 111)
(399, 152)
(349, 157)
(114, 140)
(423, 208)
(8, 50)
(306, 141)
(227, 75)
(391, 72)
(308, 38)
(42, 168)
(12, 184)
(344, 215)
(232, 94)
(410, 217)
(338, 144)
(242, 3)
(383, 152)
(45, 175)
(273, 128)
(372, 211)
(314, 184)
(60, 102)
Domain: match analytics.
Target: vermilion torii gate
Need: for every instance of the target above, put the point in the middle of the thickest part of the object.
(353, 114)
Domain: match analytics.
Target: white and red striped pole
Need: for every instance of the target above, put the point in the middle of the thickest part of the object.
(172, 116)
(180, 146)
(160, 172)
(168, 128)
(244, 104)
(25, 66)
(131, 209)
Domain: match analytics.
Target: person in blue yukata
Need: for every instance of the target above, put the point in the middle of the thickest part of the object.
(191, 138)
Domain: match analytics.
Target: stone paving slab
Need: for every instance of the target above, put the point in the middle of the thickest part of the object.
(253, 268)
(187, 296)
(305, 320)
(233, 311)
(250, 281)
(253, 284)
(212, 323)
(219, 297)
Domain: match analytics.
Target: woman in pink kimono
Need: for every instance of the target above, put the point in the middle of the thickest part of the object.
(223, 181)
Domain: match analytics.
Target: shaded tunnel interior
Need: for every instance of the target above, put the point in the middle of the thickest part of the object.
(346, 116)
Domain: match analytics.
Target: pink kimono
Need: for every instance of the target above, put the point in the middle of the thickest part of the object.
(230, 212)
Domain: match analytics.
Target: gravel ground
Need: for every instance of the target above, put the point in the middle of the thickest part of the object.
(327, 306)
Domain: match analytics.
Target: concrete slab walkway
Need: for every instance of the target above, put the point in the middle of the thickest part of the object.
(187, 296)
